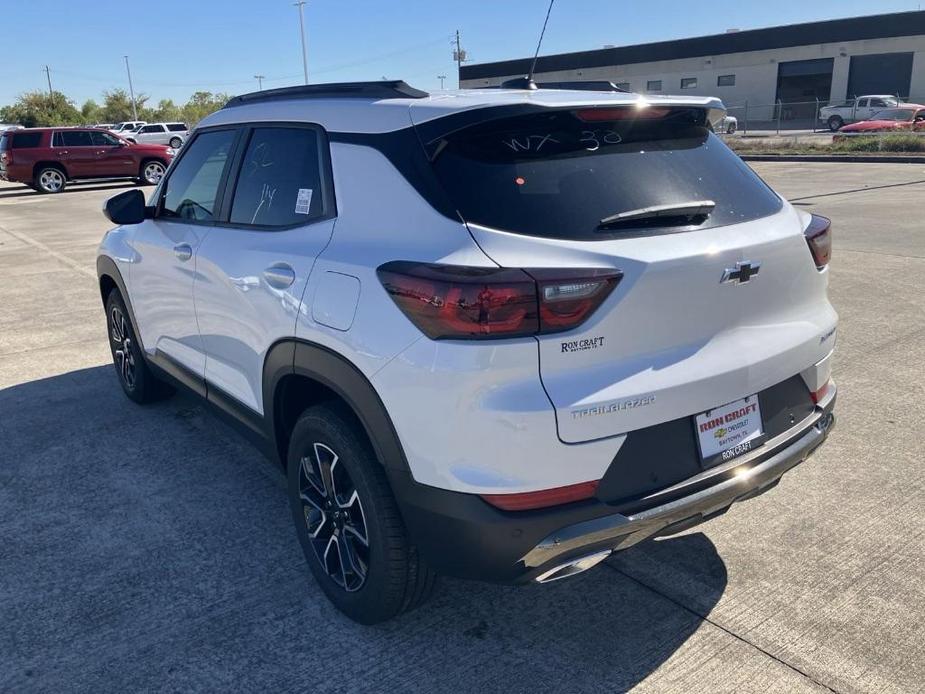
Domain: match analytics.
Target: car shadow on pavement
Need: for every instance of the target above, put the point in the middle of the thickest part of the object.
(151, 548)
(73, 187)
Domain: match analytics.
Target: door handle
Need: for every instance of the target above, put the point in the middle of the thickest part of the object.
(183, 251)
(279, 276)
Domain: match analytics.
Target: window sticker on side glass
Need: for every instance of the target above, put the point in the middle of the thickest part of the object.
(303, 201)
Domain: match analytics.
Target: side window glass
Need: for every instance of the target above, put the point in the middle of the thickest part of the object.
(76, 138)
(57, 140)
(280, 181)
(190, 191)
(101, 139)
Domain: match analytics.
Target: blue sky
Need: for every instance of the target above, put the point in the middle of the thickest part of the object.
(178, 46)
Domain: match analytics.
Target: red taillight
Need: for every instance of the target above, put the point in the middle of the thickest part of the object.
(820, 394)
(544, 498)
(458, 302)
(819, 237)
(594, 115)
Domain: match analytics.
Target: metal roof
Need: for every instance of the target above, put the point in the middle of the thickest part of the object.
(813, 33)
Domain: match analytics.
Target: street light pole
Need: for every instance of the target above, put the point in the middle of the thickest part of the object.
(259, 79)
(51, 94)
(131, 89)
(301, 5)
(441, 78)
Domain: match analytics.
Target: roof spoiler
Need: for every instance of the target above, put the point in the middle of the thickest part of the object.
(387, 89)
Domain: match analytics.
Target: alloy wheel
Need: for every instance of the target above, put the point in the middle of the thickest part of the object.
(334, 517)
(153, 172)
(51, 180)
(122, 347)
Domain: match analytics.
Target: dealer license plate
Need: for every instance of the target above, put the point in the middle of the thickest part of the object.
(729, 431)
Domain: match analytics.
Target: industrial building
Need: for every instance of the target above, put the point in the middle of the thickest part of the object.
(795, 65)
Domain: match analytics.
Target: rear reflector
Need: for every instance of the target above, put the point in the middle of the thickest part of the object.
(819, 237)
(544, 498)
(477, 303)
(820, 394)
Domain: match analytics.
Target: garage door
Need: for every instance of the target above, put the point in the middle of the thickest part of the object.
(882, 73)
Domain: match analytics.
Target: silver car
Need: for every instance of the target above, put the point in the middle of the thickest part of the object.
(172, 134)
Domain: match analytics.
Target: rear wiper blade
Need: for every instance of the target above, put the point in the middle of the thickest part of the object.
(678, 213)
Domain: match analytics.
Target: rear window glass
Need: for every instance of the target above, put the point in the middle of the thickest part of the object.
(176, 127)
(280, 179)
(558, 175)
(25, 140)
(72, 138)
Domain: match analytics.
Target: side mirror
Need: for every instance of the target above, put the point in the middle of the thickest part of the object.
(126, 208)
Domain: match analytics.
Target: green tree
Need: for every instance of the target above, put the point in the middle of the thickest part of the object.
(117, 106)
(90, 112)
(166, 111)
(200, 105)
(36, 109)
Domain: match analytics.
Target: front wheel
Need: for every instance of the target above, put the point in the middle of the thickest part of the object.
(151, 173)
(136, 379)
(347, 520)
(731, 128)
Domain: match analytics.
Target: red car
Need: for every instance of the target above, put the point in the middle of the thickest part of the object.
(47, 158)
(900, 119)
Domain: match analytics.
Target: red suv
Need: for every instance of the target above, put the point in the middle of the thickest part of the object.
(47, 158)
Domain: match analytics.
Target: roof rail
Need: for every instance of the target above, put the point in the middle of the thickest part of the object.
(388, 89)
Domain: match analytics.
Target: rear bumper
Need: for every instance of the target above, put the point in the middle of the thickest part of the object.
(461, 535)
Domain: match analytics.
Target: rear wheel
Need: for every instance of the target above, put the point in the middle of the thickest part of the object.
(50, 179)
(835, 122)
(135, 377)
(175, 142)
(731, 128)
(347, 520)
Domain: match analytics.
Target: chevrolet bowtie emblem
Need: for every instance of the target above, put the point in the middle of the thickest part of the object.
(741, 273)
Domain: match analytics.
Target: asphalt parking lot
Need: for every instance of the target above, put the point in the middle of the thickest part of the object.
(151, 548)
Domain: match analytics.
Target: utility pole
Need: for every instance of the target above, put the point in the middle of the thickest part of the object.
(459, 55)
(301, 5)
(259, 79)
(131, 89)
(51, 94)
(441, 78)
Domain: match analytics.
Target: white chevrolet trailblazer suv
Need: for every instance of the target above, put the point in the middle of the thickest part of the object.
(489, 334)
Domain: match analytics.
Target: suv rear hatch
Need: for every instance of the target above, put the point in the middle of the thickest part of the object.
(649, 190)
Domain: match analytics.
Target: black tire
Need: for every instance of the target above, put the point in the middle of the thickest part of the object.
(136, 379)
(731, 128)
(50, 179)
(835, 122)
(175, 142)
(386, 575)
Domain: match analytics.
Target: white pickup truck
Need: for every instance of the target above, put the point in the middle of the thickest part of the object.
(853, 110)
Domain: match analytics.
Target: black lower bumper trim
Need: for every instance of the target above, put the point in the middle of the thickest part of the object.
(460, 535)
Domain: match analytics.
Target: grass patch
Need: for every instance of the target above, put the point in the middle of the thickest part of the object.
(894, 143)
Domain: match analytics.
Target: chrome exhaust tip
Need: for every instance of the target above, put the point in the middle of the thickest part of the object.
(573, 567)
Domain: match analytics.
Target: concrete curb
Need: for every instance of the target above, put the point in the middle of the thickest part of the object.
(849, 159)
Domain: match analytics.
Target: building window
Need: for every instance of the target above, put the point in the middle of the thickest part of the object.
(688, 83)
(726, 81)
(654, 86)
(625, 86)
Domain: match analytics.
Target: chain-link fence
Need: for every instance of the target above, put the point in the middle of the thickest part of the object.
(784, 117)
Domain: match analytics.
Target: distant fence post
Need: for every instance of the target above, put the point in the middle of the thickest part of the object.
(780, 108)
(816, 115)
(745, 131)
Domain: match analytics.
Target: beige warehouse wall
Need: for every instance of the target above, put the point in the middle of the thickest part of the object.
(755, 71)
